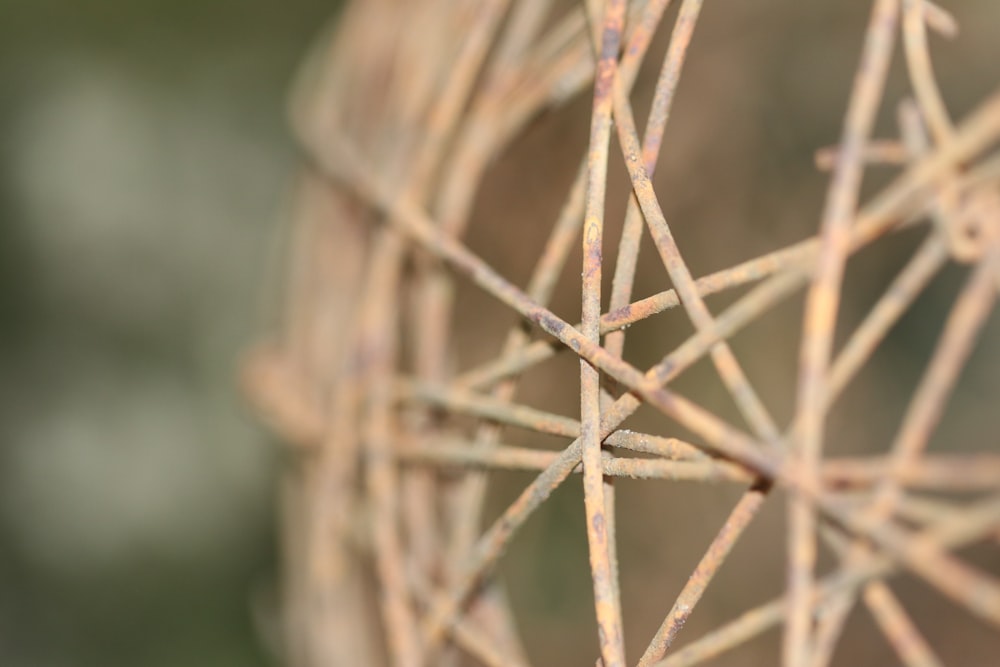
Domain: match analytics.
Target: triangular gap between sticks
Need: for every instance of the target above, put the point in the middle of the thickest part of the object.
(547, 573)
(863, 419)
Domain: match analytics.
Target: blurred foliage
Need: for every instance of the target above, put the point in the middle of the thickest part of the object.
(144, 158)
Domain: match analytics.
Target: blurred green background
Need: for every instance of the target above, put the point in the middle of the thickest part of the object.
(144, 158)
(144, 164)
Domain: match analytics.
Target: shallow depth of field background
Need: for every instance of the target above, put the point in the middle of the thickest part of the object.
(144, 167)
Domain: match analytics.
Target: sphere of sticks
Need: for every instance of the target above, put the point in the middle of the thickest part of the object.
(401, 426)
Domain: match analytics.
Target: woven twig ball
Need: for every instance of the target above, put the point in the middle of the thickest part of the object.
(469, 164)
